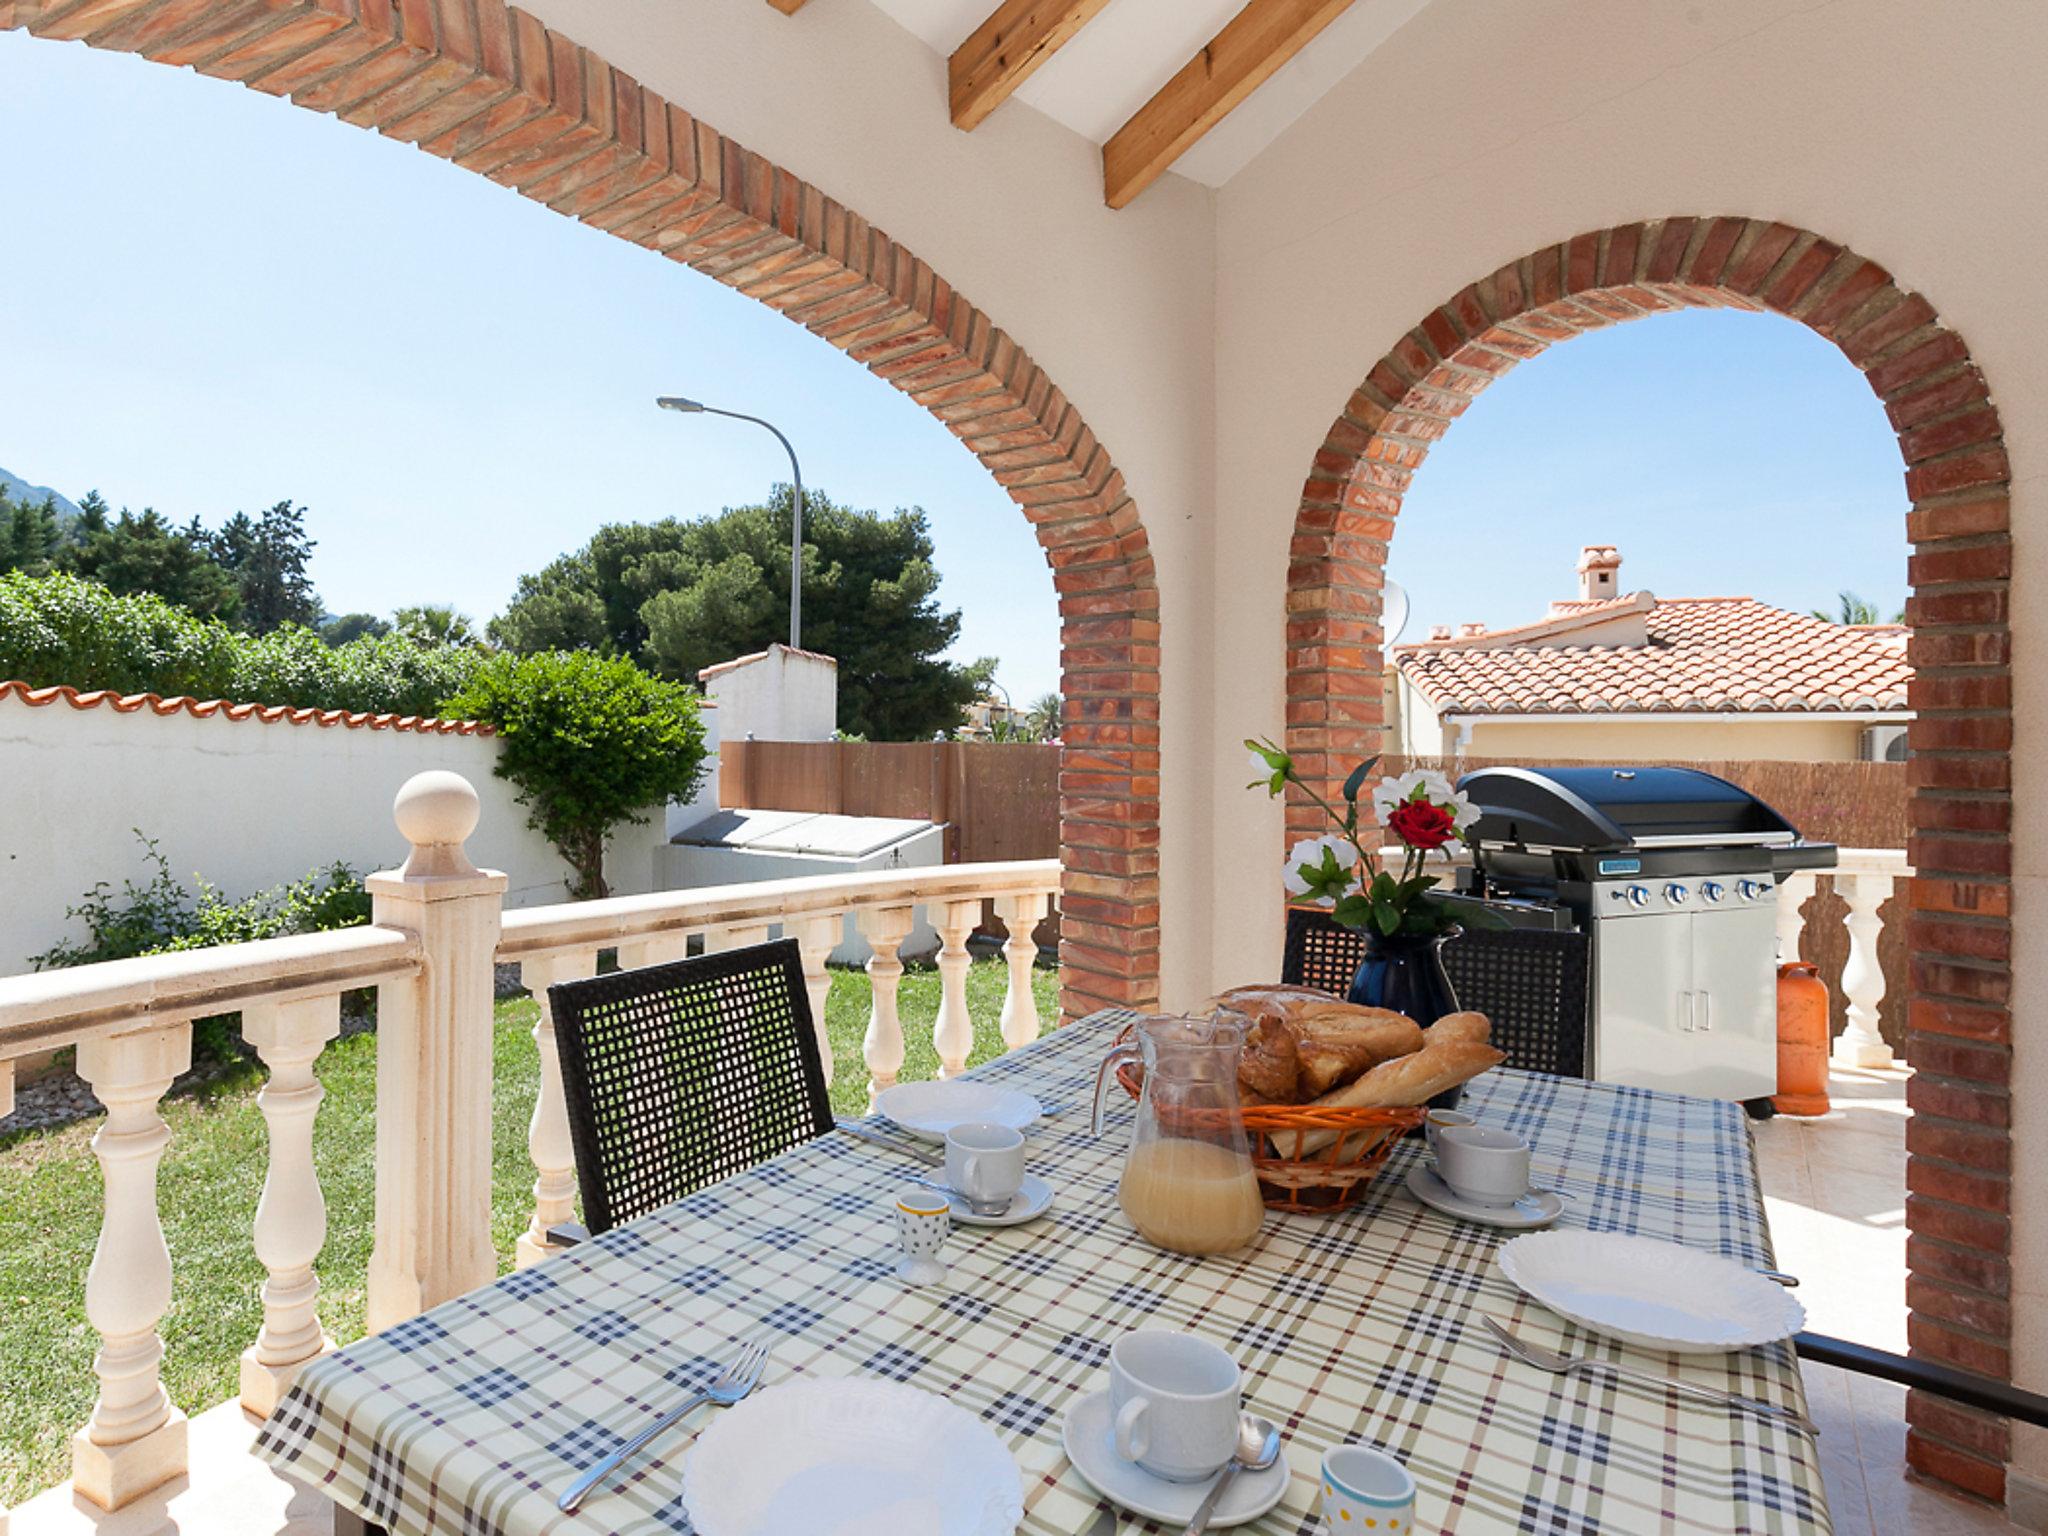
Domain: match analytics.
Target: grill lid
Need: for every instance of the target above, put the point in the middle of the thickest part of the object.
(1601, 807)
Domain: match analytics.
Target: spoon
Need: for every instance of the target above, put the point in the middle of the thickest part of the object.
(1258, 1447)
(979, 1207)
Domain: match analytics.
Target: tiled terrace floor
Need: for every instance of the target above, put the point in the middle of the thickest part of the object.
(1836, 1190)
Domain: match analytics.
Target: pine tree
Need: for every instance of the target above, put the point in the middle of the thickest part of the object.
(267, 557)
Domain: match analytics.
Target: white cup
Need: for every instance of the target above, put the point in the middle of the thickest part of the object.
(1486, 1166)
(985, 1163)
(1174, 1404)
(1437, 1121)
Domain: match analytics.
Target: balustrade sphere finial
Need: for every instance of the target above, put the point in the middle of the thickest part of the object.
(437, 809)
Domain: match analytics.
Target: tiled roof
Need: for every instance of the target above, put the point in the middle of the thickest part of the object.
(747, 661)
(267, 714)
(1703, 654)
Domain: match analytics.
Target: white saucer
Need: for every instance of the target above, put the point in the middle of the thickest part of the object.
(929, 1110)
(1034, 1199)
(1093, 1453)
(1538, 1208)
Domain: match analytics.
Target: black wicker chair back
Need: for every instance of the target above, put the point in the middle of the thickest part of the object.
(1530, 982)
(679, 1075)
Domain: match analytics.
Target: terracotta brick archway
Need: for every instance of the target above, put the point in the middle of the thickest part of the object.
(488, 87)
(1957, 480)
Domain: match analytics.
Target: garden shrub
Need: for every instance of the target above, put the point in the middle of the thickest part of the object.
(591, 741)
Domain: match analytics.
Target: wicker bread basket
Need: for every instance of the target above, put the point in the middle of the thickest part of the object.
(1327, 1179)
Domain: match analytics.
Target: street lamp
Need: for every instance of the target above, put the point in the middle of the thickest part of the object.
(796, 527)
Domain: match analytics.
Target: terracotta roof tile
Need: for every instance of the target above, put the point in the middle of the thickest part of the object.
(267, 714)
(1704, 654)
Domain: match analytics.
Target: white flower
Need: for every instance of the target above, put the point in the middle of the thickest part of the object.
(1260, 766)
(1310, 851)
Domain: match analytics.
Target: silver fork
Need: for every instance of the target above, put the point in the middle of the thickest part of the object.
(739, 1378)
(1563, 1365)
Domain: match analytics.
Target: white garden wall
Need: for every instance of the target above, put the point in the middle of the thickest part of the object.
(246, 803)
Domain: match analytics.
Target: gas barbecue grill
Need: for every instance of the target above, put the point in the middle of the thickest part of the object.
(1674, 873)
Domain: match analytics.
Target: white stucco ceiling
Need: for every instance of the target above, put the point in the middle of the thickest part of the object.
(1116, 63)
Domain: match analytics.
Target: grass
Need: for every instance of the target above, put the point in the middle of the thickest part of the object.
(50, 1206)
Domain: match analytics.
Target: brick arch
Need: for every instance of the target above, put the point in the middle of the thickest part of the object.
(487, 86)
(1957, 479)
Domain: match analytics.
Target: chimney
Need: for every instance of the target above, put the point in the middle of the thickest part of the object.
(1471, 631)
(1599, 573)
(1439, 631)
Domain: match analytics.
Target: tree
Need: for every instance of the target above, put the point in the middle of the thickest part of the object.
(267, 556)
(1857, 610)
(29, 535)
(435, 624)
(591, 741)
(339, 629)
(146, 553)
(680, 596)
(1042, 719)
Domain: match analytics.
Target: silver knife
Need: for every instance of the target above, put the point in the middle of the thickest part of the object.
(875, 1138)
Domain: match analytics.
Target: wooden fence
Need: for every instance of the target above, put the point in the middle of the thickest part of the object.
(1002, 802)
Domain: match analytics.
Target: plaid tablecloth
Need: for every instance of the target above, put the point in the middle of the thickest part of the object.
(1358, 1327)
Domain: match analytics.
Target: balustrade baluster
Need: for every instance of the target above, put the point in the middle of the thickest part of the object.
(885, 929)
(1021, 916)
(1861, 1044)
(1794, 891)
(816, 937)
(547, 1133)
(291, 1217)
(953, 1030)
(6, 1109)
(135, 1440)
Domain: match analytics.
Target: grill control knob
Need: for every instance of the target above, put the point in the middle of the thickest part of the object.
(1677, 894)
(1639, 895)
(1753, 890)
(1713, 890)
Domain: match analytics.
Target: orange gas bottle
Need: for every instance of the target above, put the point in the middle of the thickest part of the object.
(1802, 1040)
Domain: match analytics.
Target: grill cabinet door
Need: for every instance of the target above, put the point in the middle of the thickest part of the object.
(1642, 1033)
(1734, 971)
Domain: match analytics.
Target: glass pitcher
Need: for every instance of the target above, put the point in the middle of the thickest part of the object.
(1188, 1183)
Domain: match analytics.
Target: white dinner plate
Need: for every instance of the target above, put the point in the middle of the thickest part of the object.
(1645, 1291)
(1538, 1208)
(1092, 1450)
(850, 1456)
(929, 1110)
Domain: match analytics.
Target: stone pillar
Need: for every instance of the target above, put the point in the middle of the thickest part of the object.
(433, 1223)
(953, 1030)
(1794, 892)
(885, 929)
(135, 1440)
(815, 939)
(1861, 1044)
(1021, 915)
(291, 1218)
(547, 1133)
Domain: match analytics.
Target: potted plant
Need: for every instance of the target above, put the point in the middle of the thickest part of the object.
(1402, 915)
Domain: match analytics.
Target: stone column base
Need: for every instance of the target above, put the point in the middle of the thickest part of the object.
(1858, 1053)
(115, 1475)
(264, 1386)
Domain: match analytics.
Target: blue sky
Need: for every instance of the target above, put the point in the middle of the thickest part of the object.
(218, 300)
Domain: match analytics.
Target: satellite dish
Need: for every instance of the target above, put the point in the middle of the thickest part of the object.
(1393, 611)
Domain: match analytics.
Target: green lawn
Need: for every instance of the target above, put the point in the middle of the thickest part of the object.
(211, 1178)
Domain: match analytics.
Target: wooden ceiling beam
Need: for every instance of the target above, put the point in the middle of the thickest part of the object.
(1238, 60)
(789, 7)
(1005, 49)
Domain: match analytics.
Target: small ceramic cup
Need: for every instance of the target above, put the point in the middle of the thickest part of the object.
(1489, 1167)
(985, 1164)
(1437, 1121)
(1173, 1401)
(1366, 1493)
(923, 1219)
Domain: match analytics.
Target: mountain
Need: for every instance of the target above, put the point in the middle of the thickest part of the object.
(14, 488)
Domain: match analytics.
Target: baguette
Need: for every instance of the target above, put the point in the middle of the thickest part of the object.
(1269, 1065)
(1406, 1081)
(1326, 1063)
(1381, 1032)
(1462, 1026)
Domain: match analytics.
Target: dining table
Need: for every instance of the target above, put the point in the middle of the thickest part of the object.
(1359, 1325)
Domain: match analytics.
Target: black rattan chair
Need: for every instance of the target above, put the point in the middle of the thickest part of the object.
(679, 1075)
(1531, 982)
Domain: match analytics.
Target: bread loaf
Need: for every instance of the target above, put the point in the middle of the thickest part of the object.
(1407, 1081)
(1326, 1063)
(1382, 1032)
(1462, 1026)
(1268, 1066)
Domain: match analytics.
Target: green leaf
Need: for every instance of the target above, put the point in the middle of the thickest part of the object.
(1386, 917)
(1356, 781)
(1353, 911)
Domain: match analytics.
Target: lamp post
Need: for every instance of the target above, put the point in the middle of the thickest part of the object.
(796, 527)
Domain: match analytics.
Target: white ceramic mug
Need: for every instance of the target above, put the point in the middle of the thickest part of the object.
(1437, 1121)
(1486, 1166)
(985, 1163)
(1174, 1404)
(1366, 1490)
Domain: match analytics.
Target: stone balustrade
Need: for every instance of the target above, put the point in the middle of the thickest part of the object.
(1865, 879)
(438, 928)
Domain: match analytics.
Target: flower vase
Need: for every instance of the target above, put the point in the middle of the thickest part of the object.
(1404, 972)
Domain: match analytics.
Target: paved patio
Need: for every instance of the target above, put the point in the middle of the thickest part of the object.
(1835, 1187)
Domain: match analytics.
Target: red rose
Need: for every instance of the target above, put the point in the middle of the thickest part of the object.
(1422, 825)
